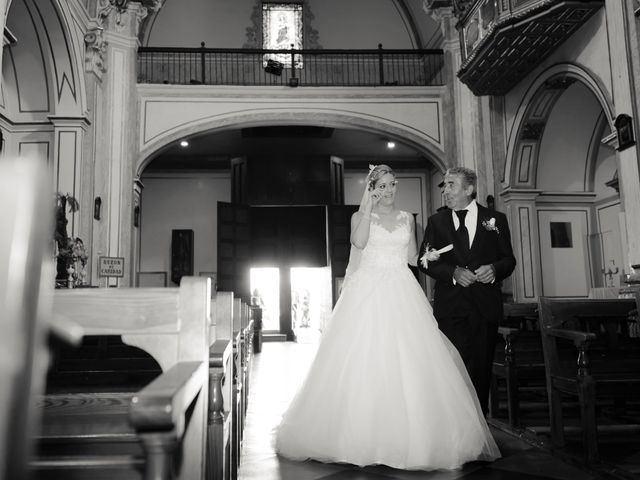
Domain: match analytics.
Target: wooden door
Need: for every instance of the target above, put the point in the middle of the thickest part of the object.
(234, 249)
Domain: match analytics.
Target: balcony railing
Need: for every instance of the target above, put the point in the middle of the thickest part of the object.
(362, 68)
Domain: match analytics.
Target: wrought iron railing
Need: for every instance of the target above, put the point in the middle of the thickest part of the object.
(217, 66)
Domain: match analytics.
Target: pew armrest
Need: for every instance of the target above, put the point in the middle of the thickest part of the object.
(219, 353)
(61, 328)
(161, 405)
(578, 337)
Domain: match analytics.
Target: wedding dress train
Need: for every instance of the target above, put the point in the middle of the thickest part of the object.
(386, 386)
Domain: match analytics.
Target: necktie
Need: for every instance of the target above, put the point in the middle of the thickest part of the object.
(462, 231)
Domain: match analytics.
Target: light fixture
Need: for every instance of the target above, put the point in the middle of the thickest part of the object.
(184, 143)
(274, 67)
(391, 145)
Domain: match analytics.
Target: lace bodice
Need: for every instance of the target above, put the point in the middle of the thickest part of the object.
(387, 248)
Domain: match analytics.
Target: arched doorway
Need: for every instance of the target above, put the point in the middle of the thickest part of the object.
(563, 189)
(182, 186)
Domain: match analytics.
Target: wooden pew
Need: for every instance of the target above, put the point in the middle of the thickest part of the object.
(25, 283)
(237, 396)
(247, 357)
(242, 353)
(256, 318)
(518, 360)
(220, 389)
(167, 417)
(604, 365)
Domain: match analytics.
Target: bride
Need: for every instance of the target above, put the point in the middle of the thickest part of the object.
(386, 386)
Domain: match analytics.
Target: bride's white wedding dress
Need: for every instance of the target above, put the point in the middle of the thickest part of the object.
(386, 386)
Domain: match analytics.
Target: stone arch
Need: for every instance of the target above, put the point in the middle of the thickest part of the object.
(533, 114)
(372, 124)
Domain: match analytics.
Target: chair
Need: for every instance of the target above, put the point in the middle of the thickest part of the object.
(588, 356)
(519, 362)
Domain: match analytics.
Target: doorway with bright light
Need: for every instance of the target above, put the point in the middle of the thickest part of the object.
(296, 302)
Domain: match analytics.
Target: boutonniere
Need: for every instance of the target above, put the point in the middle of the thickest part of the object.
(490, 225)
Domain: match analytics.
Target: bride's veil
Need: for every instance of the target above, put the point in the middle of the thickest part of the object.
(356, 253)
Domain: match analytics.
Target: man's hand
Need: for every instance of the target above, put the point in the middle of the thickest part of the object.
(485, 274)
(464, 276)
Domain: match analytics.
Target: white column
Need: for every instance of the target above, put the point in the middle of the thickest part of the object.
(467, 124)
(620, 20)
(68, 136)
(520, 206)
(116, 159)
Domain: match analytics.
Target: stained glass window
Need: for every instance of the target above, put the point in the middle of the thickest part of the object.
(282, 28)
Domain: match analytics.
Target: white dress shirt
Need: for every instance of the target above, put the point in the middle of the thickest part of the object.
(470, 221)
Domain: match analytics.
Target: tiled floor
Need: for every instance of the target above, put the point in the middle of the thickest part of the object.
(276, 374)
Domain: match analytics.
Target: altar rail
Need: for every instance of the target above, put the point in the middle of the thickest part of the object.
(335, 68)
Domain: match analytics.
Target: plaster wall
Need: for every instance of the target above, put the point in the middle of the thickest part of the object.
(353, 24)
(587, 49)
(170, 113)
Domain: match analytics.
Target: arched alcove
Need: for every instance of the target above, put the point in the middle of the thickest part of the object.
(558, 167)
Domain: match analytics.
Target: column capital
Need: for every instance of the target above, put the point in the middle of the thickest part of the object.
(445, 17)
(122, 17)
(95, 52)
(60, 121)
(520, 194)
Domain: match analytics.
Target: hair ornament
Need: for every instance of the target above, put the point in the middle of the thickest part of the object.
(371, 169)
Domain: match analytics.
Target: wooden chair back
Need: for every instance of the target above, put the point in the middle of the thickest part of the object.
(576, 315)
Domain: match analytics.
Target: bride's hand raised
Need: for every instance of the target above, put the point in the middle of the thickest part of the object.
(374, 197)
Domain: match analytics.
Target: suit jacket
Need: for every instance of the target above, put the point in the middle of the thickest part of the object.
(491, 245)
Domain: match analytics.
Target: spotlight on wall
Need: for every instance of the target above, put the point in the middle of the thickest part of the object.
(391, 145)
(184, 144)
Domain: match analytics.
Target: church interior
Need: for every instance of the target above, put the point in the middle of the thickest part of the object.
(178, 178)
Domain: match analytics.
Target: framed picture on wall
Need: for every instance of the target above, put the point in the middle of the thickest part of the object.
(181, 254)
(152, 279)
(212, 276)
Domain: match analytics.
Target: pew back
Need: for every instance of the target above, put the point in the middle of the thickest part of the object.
(24, 195)
(172, 325)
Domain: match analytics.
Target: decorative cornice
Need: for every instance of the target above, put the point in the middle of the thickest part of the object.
(511, 194)
(69, 122)
(614, 183)
(567, 197)
(611, 140)
(8, 38)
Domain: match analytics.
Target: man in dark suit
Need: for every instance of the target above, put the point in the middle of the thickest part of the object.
(467, 294)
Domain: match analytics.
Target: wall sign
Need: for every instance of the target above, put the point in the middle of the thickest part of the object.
(111, 266)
